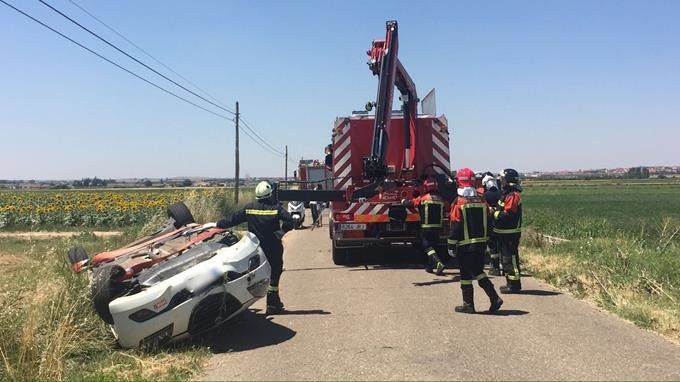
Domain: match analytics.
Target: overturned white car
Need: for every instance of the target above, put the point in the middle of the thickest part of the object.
(177, 282)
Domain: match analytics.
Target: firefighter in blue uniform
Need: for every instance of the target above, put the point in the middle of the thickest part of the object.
(264, 217)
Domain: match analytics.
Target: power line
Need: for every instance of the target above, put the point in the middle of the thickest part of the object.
(246, 123)
(134, 58)
(149, 82)
(119, 34)
(114, 63)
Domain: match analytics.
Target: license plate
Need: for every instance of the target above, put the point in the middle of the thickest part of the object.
(396, 227)
(352, 227)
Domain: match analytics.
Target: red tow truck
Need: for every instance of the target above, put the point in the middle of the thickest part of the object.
(379, 159)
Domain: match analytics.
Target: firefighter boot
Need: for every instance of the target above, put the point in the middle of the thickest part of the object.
(439, 267)
(508, 289)
(274, 304)
(496, 301)
(468, 300)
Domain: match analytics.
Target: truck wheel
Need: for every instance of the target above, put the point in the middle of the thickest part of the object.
(104, 289)
(340, 255)
(180, 213)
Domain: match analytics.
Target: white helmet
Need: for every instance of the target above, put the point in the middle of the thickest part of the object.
(263, 190)
(488, 181)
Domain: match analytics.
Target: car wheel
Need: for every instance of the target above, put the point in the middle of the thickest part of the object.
(180, 213)
(77, 254)
(105, 289)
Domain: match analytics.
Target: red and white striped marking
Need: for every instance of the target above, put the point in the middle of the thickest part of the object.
(440, 147)
(342, 157)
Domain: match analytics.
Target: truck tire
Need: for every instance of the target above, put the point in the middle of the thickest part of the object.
(340, 255)
(180, 213)
(104, 289)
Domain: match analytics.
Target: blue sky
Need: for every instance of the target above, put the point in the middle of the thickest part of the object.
(526, 84)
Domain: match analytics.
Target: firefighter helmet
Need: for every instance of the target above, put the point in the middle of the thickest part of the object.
(510, 176)
(465, 177)
(263, 190)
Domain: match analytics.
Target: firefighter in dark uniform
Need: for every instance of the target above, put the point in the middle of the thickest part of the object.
(492, 195)
(431, 210)
(467, 239)
(264, 218)
(507, 227)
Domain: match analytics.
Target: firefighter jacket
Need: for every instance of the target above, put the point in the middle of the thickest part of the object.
(508, 216)
(431, 210)
(469, 224)
(492, 196)
(264, 220)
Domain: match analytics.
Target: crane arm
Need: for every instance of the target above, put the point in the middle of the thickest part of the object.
(384, 62)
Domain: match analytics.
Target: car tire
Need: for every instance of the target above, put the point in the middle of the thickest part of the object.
(77, 254)
(180, 213)
(104, 289)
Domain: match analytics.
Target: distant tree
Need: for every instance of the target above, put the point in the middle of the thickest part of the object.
(87, 182)
(77, 183)
(187, 183)
(147, 183)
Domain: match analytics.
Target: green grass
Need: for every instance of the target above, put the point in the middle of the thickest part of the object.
(48, 329)
(624, 249)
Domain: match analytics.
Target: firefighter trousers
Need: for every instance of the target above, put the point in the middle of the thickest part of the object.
(274, 253)
(430, 240)
(509, 248)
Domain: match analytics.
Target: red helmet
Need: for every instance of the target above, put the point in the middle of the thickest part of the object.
(465, 177)
(430, 185)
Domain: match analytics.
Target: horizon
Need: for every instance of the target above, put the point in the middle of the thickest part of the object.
(569, 85)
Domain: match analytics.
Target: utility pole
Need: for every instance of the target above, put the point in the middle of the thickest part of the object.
(285, 174)
(236, 162)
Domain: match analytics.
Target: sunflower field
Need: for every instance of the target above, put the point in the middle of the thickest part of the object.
(99, 208)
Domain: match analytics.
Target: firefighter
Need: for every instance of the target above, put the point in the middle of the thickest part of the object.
(492, 195)
(264, 217)
(431, 211)
(507, 227)
(467, 241)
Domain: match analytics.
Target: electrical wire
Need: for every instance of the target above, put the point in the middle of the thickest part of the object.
(247, 125)
(256, 138)
(119, 34)
(115, 64)
(134, 58)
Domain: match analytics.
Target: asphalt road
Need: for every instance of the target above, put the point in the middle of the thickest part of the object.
(397, 322)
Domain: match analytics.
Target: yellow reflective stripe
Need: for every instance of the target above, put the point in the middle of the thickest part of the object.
(427, 213)
(495, 255)
(466, 233)
(262, 212)
(507, 230)
(452, 242)
(496, 214)
(432, 202)
(272, 288)
(481, 276)
(431, 252)
(465, 282)
(473, 241)
(516, 276)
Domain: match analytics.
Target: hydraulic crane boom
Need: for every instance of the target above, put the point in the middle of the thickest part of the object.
(384, 62)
